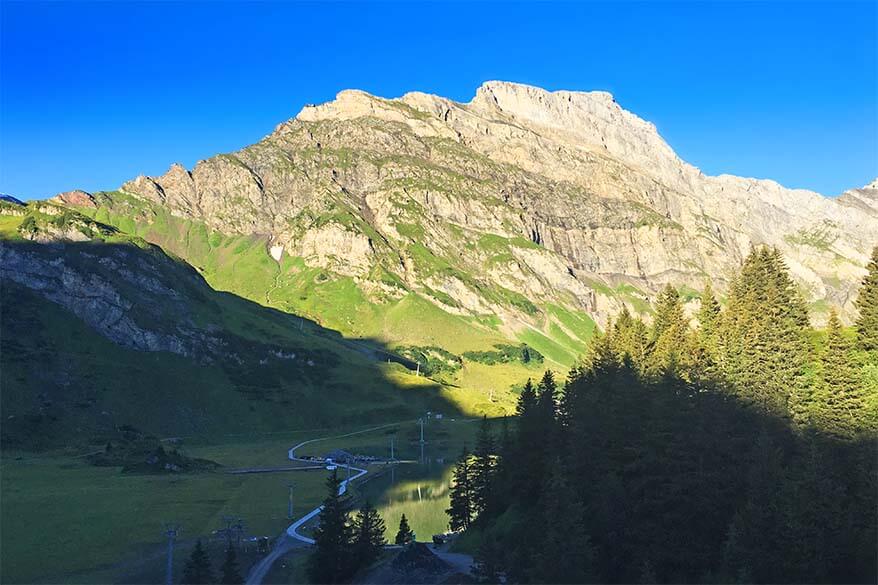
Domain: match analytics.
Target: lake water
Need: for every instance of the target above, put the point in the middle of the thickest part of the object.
(418, 490)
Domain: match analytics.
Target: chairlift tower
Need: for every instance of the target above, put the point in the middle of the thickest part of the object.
(171, 532)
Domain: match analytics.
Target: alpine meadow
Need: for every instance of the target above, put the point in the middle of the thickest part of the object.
(509, 338)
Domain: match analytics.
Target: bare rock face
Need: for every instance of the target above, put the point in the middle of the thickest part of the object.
(76, 198)
(865, 198)
(95, 296)
(558, 196)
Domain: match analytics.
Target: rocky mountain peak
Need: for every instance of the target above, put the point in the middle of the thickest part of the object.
(578, 196)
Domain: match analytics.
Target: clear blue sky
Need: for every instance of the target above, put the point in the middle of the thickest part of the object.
(94, 94)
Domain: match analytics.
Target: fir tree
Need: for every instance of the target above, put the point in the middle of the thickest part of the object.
(734, 567)
(668, 337)
(482, 470)
(527, 400)
(530, 438)
(487, 562)
(544, 425)
(867, 304)
(368, 529)
(503, 464)
(230, 573)
(839, 399)
(701, 346)
(405, 535)
(668, 313)
(197, 570)
(629, 338)
(565, 553)
(709, 313)
(461, 509)
(331, 560)
(763, 345)
(602, 355)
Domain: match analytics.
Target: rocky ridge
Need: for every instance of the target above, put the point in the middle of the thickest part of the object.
(560, 197)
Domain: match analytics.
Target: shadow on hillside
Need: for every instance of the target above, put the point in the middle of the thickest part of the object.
(218, 363)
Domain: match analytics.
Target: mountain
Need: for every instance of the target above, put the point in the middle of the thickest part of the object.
(477, 241)
(560, 197)
(5, 197)
(864, 198)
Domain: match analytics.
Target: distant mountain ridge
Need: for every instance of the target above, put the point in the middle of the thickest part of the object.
(584, 197)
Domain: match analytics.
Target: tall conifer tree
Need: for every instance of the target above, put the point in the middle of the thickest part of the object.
(230, 573)
(867, 304)
(565, 554)
(482, 470)
(197, 570)
(668, 337)
(709, 313)
(331, 560)
(838, 403)
(763, 344)
(404, 534)
(460, 511)
(368, 535)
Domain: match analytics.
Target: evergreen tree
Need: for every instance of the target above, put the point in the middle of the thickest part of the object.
(693, 475)
(230, 573)
(331, 560)
(482, 470)
(839, 399)
(197, 570)
(487, 562)
(735, 567)
(530, 439)
(668, 313)
(405, 535)
(565, 553)
(546, 417)
(708, 314)
(629, 338)
(668, 337)
(701, 346)
(461, 509)
(527, 400)
(867, 304)
(763, 344)
(503, 471)
(601, 355)
(368, 529)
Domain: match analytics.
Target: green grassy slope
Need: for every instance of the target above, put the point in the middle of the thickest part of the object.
(241, 265)
(64, 383)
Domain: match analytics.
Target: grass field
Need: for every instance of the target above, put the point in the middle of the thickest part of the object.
(65, 520)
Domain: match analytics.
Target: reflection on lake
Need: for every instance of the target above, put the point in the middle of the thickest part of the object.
(418, 490)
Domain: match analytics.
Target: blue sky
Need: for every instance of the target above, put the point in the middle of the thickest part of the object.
(94, 94)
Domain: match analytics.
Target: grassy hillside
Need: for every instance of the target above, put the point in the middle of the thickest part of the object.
(65, 383)
(398, 316)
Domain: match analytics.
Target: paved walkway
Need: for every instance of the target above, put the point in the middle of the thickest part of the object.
(291, 538)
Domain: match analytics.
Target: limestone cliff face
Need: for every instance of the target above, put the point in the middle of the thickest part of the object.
(114, 292)
(558, 196)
